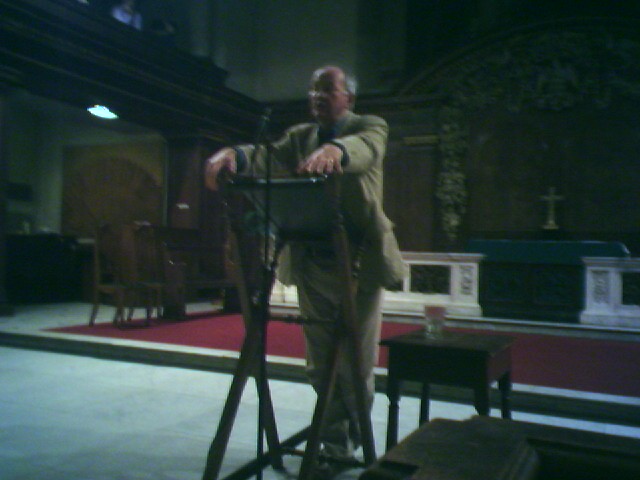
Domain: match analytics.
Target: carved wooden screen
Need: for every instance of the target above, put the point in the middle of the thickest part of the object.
(112, 184)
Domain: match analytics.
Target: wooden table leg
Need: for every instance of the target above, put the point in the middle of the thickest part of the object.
(424, 403)
(481, 399)
(393, 393)
(504, 384)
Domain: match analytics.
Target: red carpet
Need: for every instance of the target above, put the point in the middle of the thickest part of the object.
(602, 366)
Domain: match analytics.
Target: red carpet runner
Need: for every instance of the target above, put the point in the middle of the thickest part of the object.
(602, 366)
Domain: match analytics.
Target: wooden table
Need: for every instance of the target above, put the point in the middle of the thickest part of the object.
(456, 359)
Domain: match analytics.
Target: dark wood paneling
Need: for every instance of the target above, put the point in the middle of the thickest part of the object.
(409, 195)
(113, 184)
(588, 155)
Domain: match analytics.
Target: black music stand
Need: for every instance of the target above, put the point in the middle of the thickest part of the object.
(299, 209)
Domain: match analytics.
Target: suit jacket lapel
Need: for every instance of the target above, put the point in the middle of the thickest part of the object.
(312, 142)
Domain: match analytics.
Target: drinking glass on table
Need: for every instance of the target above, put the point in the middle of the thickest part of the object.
(434, 316)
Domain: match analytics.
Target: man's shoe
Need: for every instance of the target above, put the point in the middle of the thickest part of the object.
(322, 471)
(327, 471)
(330, 467)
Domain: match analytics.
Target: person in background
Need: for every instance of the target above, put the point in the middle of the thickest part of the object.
(352, 146)
(126, 12)
(164, 30)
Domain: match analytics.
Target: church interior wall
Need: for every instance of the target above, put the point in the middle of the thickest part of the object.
(552, 105)
(587, 155)
(587, 151)
(257, 42)
(294, 31)
(270, 49)
(40, 135)
(21, 153)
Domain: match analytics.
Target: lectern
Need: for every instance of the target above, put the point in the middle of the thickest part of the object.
(300, 210)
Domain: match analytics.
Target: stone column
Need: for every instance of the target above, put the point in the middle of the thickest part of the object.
(200, 22)
(189, 203)
(5, 307)
(187, 199)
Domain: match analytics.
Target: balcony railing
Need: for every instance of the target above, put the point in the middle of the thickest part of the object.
(76, 54)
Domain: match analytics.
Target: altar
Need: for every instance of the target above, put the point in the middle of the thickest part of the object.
(585, 282)
(537, 280)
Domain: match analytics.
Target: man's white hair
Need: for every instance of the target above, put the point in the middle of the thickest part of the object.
(350, 81)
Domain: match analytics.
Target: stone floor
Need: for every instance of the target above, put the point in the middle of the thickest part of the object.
(69, 416)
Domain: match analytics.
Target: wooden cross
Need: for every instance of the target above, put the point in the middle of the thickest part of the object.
(551, 198)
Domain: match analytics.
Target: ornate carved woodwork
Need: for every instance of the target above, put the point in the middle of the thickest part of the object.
(114, 184)
(548, 103)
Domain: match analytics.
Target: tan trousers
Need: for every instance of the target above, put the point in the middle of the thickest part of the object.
(319, 294)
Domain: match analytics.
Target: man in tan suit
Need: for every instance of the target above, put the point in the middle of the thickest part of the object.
(352, 146)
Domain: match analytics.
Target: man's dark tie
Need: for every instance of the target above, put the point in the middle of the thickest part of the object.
(326, 134)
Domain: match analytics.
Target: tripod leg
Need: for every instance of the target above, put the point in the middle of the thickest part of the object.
(246, 365)
(354, 344)
(324, 396)
(270, 428)
(220, 441)
(252, 354)
(362, 401)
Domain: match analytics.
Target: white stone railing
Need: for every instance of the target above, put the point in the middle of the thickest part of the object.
(460, 298)
(604, 285)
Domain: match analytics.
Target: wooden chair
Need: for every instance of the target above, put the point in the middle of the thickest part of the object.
(150, 267)
(190, 268)
(107, 278)
(117, 274)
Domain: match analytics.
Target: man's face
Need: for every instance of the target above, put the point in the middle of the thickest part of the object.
(328, 96)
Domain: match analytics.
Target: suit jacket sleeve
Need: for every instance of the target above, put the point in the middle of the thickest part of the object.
(365, 143)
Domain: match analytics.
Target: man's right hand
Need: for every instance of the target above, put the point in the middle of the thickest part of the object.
(223, 160)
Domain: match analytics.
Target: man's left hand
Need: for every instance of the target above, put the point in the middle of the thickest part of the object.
(324, 160)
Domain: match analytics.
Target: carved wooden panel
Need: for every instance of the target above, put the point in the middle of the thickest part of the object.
(588, 155)
(111, 184)
(409, 198)
(549, 107)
